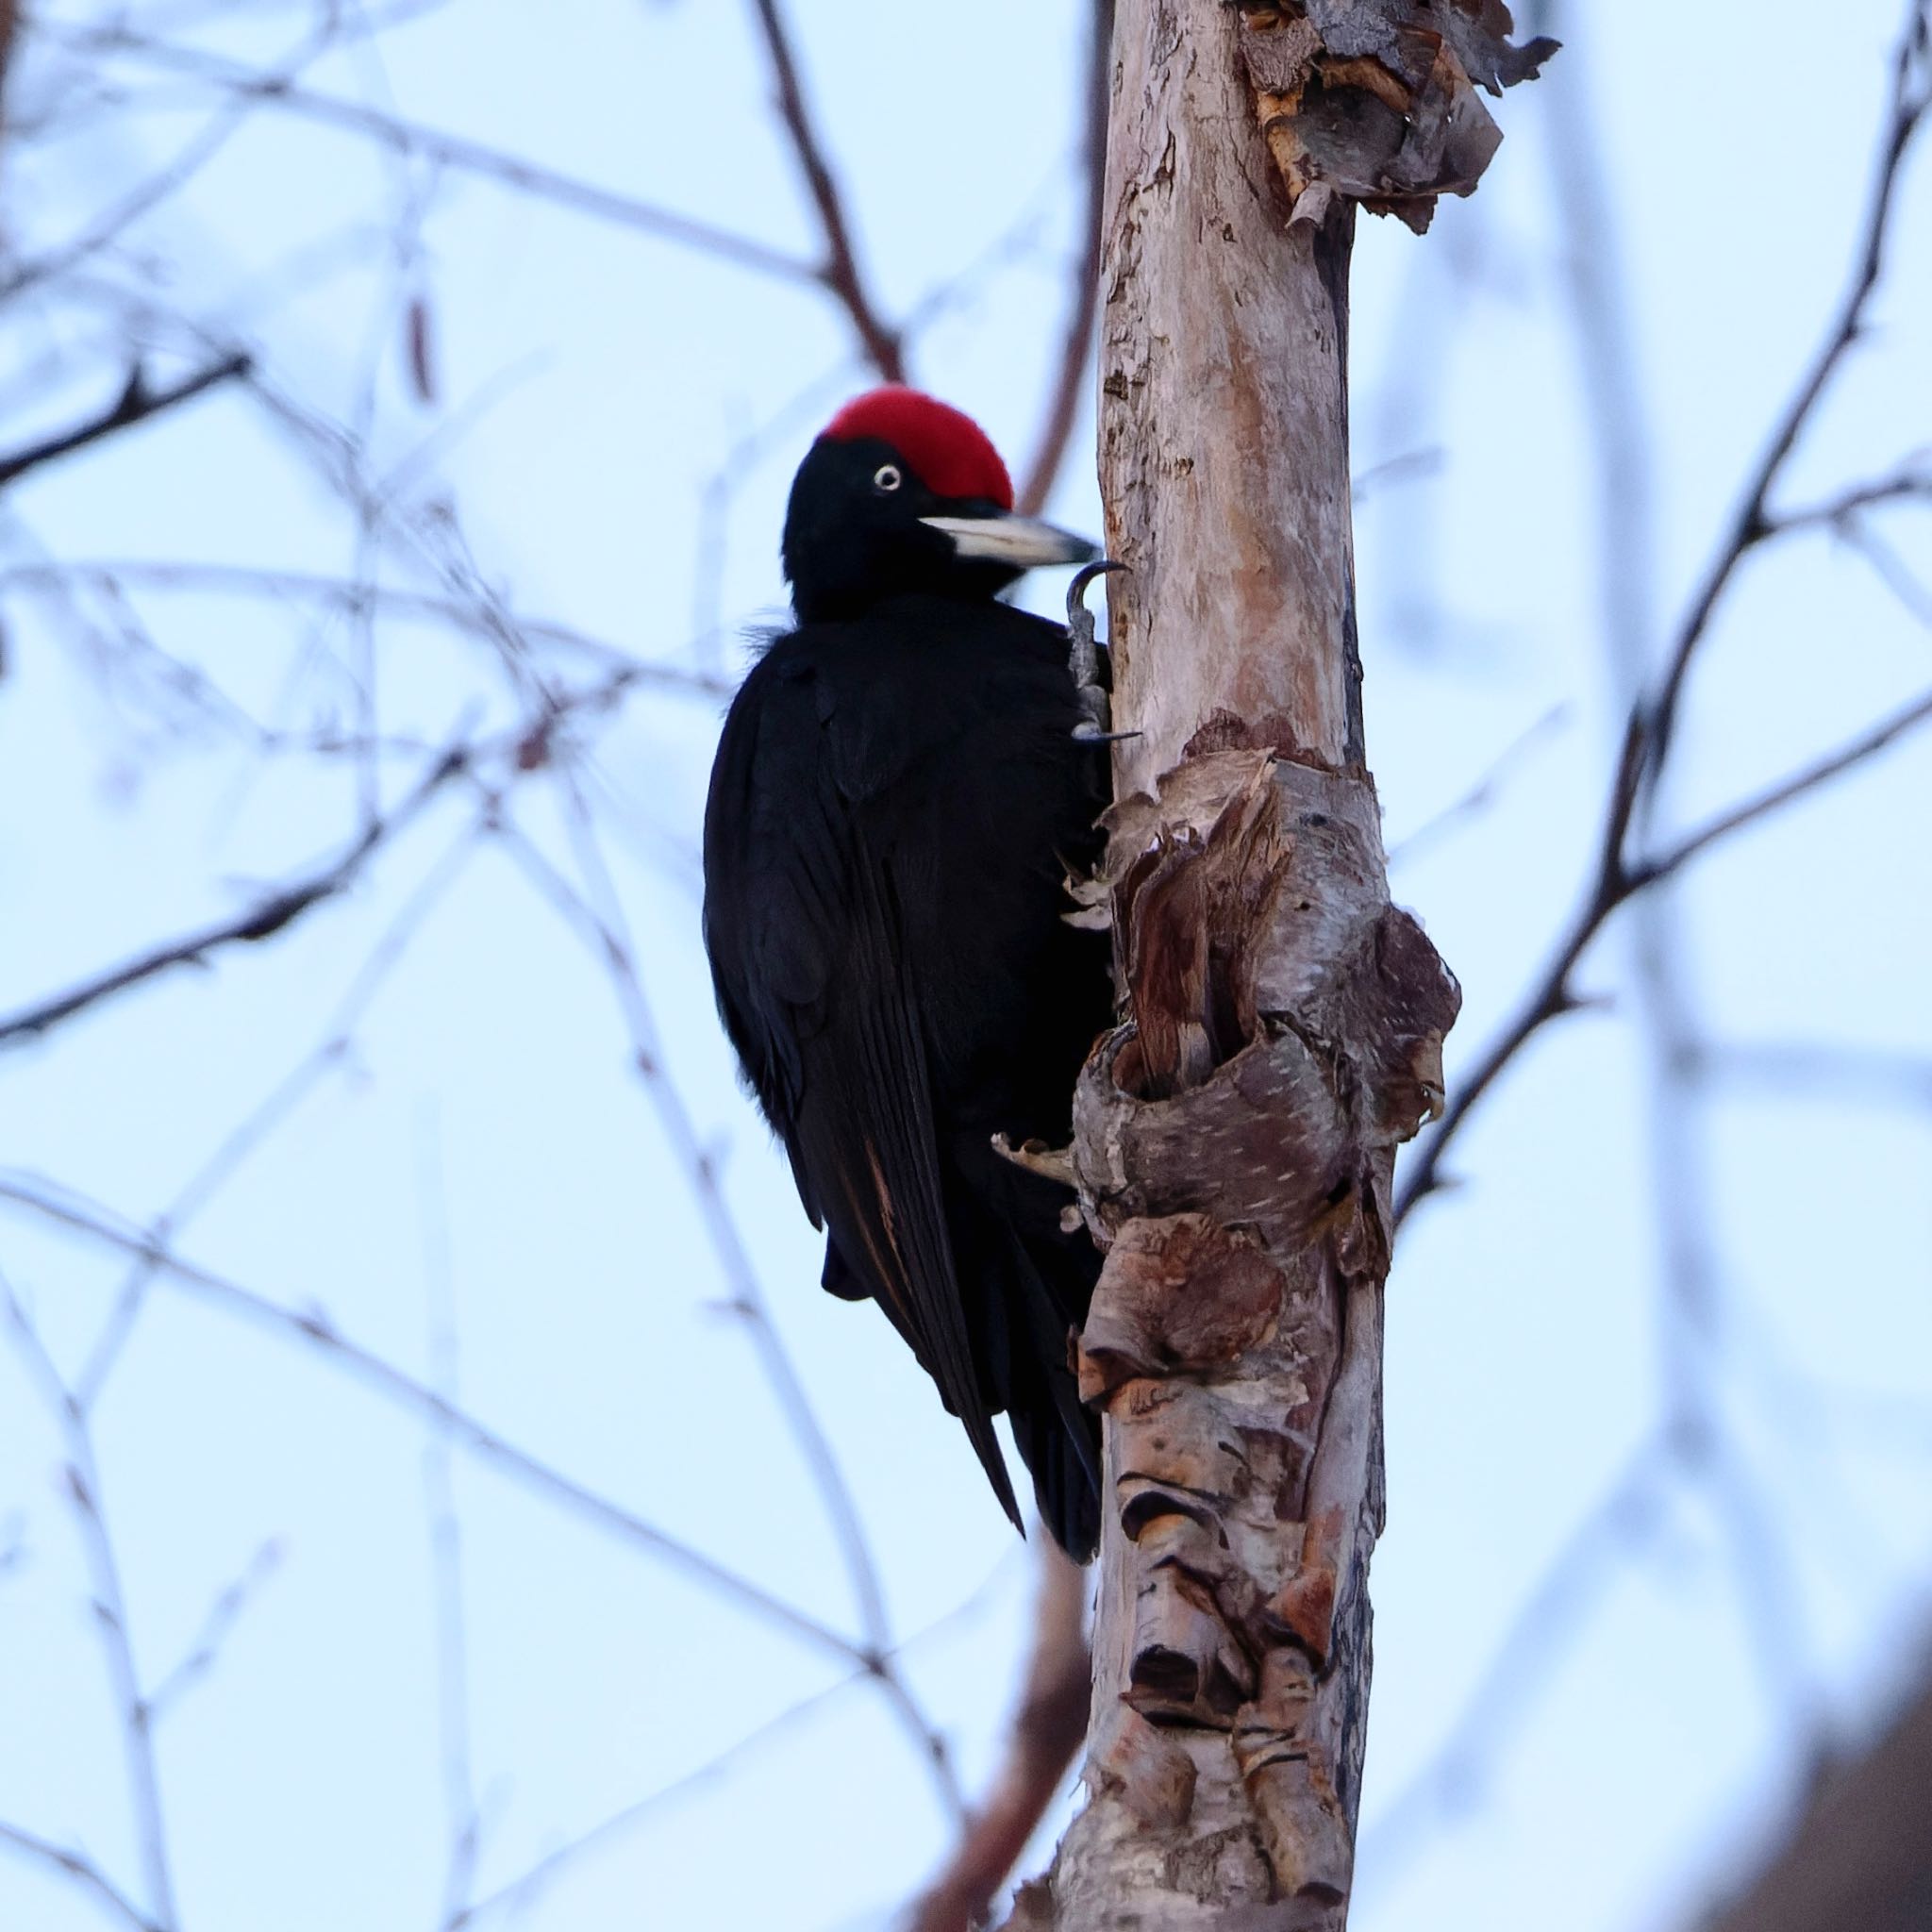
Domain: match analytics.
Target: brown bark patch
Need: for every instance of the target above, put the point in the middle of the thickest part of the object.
(1141, 1322)
(1379, 104)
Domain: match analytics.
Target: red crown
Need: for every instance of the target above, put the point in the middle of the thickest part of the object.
(944, 446)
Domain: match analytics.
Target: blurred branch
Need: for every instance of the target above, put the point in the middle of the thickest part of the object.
(446, 1543)
(884, 347)
(1911, 97)
(264, 920)
(402, 1390)
(1047, 1728)
(1483, 793)
(1076, 342)
(223, 1614)
(1797, 1066)
(596, 916)
(253, 1131)
(136, 404)
(109, 1606)
(82, 1871)
(450, 150)
(1652, 719)
(1859, 1852)
(1788, 792)
(520, 1894)
(1616, 883)
(1521, 1662)
(112, 575)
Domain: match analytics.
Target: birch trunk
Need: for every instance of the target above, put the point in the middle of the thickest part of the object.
(1234, 1139)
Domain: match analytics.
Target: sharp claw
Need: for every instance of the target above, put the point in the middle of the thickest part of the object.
(1077, 611)
(1083, 656)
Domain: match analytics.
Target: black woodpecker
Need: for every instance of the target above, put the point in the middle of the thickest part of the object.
(898, 798)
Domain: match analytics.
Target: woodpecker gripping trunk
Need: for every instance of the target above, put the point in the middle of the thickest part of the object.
(1235, 1137)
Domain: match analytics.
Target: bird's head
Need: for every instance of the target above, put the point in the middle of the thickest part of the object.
(899, 493)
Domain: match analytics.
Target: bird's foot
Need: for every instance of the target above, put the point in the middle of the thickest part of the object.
(1083, 660)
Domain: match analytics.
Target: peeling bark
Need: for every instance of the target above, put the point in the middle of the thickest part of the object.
(1234, 1145)
(1235, 1137)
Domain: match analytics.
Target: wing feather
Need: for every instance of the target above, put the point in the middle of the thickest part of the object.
(804, 928)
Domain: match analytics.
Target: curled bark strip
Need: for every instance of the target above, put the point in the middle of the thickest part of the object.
(1379, 104)
(1233, 1147)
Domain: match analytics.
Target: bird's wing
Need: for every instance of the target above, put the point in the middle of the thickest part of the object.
(804, 927)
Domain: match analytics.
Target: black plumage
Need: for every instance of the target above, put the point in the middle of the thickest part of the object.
(897, 800)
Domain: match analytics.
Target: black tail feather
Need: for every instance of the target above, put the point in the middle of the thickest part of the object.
(1063, 1452)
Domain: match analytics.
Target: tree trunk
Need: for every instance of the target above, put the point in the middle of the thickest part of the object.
(1235, 1138)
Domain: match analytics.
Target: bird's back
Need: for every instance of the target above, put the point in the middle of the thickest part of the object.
(923, 756)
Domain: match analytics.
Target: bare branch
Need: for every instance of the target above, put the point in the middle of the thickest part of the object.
(1483, 793)
(263, 921)
(519, 1892)
(599, 921)
(1047, 1729)
(112, 575)
(136, 404)
(449, 150)
(1652, 719)
(1786, 792)
(331, 1050)
(402, 1391)
(223, 1614)
(1524, 1658)
(110, 1611)
(81, 1869)
(1908, 485)
(884, 346)
(1911, 97)
(1076, 342)
(1552, 996)
(1840, 1069)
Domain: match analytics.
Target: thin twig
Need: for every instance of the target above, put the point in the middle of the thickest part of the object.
(81, 1869)
(216, 1628)
(402, 1390)
(110, 1611)
(112, 575)
(448, 150)
(269, 916)
(1911, 96)
(1616, 883)
(137, 403)
(1076, 340)
(521, 1891)
(884, 346)
(1787, 792)
(276, 1106)
(446, 1544)
(1652, 719)
(601, 925)
(1483, 793)
(1908, 485)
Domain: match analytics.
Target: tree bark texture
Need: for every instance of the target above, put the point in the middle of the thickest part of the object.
(1234, 1139)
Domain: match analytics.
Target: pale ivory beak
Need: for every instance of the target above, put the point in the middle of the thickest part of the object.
(1020, 542)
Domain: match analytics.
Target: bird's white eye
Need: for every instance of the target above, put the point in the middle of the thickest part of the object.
(887, 476)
